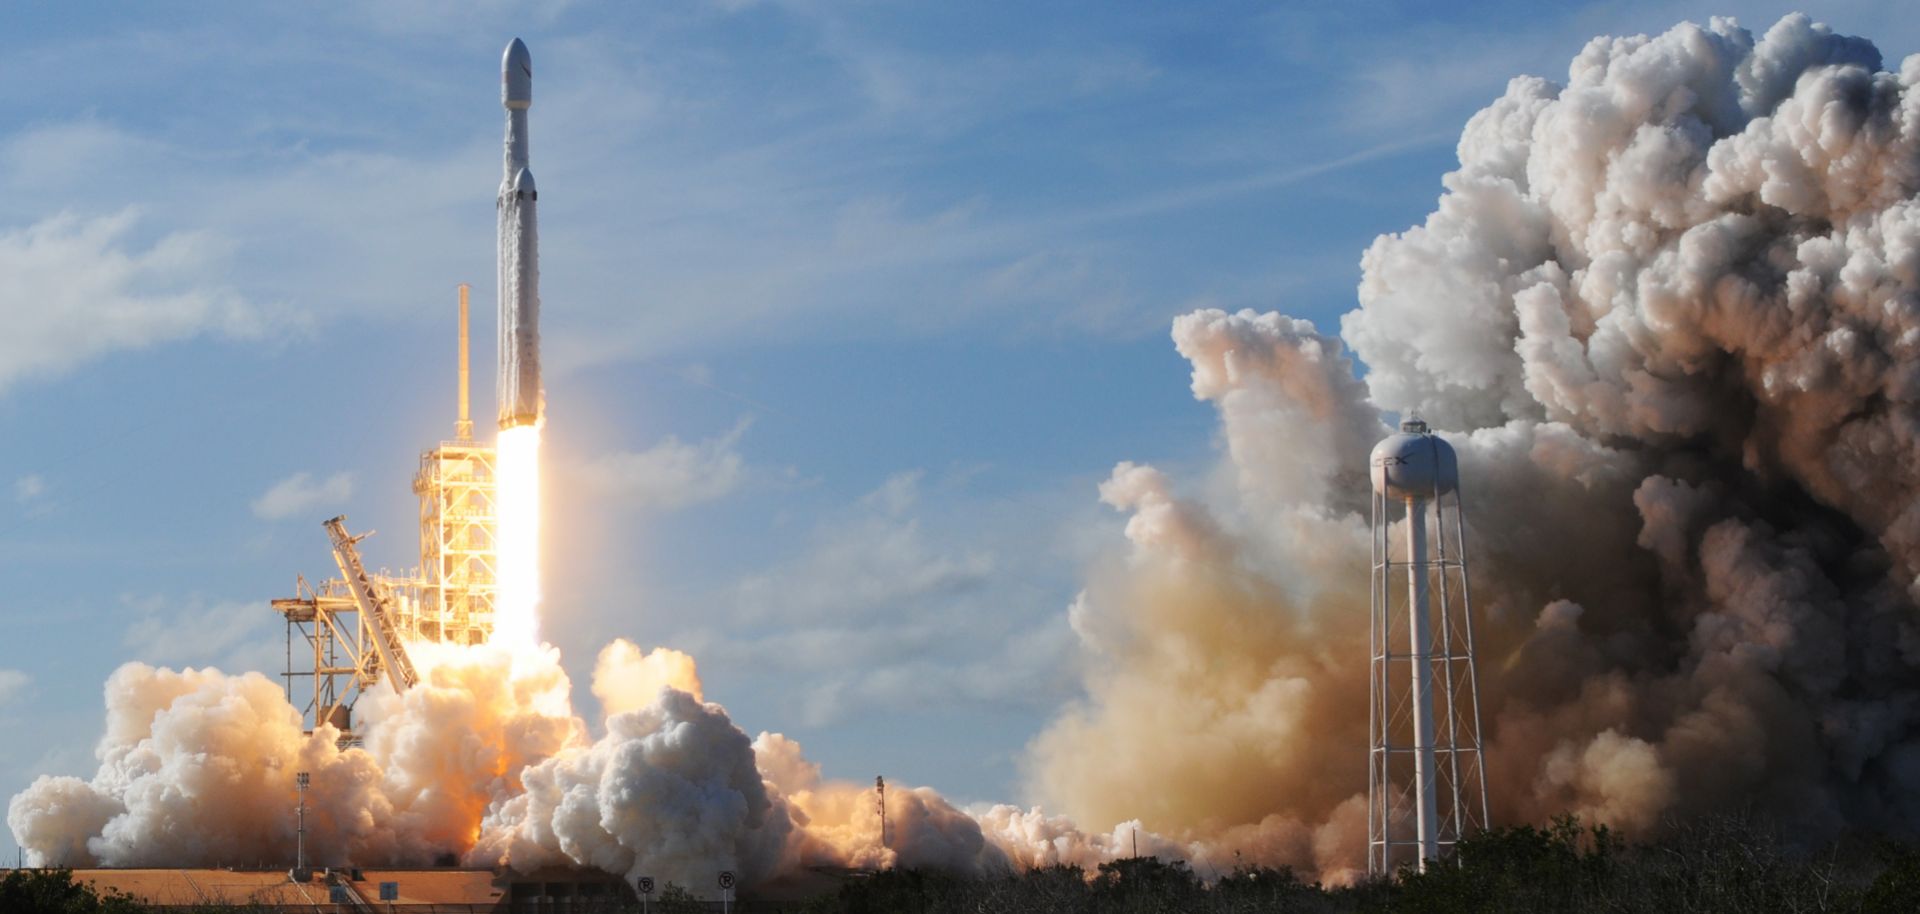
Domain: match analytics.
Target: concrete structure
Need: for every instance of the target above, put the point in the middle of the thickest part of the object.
(1426, 778)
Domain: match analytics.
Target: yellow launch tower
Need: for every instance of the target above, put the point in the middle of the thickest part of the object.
(455, 485)
(358, 634)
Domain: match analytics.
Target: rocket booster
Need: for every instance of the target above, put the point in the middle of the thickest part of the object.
(521, 398)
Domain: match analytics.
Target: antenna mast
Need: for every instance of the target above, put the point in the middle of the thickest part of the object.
(880, 787)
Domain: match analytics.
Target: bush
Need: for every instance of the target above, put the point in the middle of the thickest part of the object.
(1717, 864)
(56, 892)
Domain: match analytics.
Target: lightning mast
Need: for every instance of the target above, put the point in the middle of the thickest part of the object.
(880, 788)
(1426, 776)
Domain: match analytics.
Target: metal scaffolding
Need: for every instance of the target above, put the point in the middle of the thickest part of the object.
(455, 485)
(354, 630)
(326, 619)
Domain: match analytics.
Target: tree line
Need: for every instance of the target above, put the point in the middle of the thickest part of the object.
(1705, 866)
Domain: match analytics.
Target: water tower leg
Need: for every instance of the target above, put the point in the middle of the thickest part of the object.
(1420, 657)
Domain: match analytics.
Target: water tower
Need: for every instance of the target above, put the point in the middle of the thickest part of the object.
(1426, 777)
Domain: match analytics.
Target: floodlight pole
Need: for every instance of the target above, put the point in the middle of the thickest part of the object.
(300, 853)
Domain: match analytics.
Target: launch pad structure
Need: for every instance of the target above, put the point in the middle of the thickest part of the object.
(353, 631)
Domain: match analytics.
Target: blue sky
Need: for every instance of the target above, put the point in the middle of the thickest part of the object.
(849, 306)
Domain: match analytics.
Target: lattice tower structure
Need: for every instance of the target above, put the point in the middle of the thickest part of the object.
(456, 485)
(449, 598)
(332, 654)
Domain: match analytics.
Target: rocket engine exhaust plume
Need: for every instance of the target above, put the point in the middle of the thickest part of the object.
(516, 499)
(1666, 312)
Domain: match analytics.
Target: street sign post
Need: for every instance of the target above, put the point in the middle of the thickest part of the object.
(646, 892)
(726, 891)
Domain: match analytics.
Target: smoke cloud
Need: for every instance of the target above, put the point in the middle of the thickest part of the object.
(1666, 311)
(196, 768)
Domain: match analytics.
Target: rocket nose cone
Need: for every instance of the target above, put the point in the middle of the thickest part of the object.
(523, 181)
(516, 76)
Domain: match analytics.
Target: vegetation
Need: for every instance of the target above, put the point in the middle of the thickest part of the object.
(1704, 867)
(1719, 865)
(55, 892)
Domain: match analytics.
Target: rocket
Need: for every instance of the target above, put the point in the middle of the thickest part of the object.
(521, 399)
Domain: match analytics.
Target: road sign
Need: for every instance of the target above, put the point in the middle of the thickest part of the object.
(646, 885)
(389, 891)
(726, 879)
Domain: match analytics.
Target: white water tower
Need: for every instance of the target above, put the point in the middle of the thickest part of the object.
(1426, 777)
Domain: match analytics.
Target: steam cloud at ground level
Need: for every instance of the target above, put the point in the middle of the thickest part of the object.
(196, 768)
(1667, 313)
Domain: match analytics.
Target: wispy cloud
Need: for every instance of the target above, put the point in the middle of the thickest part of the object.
(75, 288)
(827, 202)
(877, 611)
(29, 488)
(301, 494)
(670, 475)
(13, 686)
(236, 636)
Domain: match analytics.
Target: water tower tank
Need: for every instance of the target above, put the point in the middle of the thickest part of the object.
(1414, 463)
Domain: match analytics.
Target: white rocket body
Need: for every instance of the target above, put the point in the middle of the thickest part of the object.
(521, 399)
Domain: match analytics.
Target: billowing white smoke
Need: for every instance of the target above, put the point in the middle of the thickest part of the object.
(1669, 313)
(485, 761)
(197, 767)
(670, 790)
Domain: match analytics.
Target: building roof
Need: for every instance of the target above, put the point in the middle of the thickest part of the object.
(435, 886)
(478, 889)
(190, 887)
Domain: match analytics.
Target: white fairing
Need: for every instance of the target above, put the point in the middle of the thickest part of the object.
(520, 394)
(1414, 464)
(516, 76)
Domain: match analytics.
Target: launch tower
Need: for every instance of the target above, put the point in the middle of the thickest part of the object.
(353, 631)
(455, 485)
(1426, 773)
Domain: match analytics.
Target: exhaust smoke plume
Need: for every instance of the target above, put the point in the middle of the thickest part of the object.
(1668, 313)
